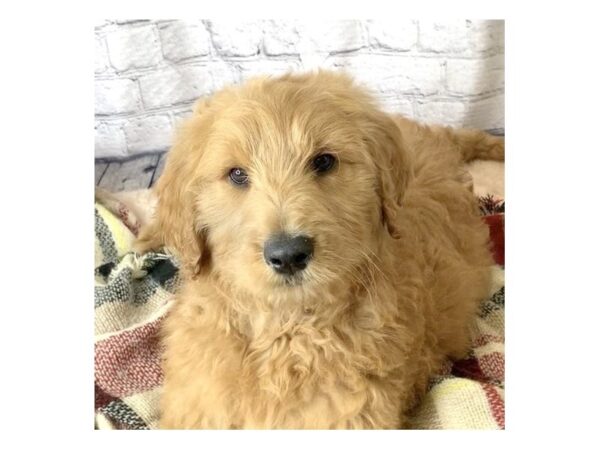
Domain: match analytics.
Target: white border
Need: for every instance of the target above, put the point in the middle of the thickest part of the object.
(552, 237)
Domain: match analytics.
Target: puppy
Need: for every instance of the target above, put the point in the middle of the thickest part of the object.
(332, 257)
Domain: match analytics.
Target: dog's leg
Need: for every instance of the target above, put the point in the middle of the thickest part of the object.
(474, 144)
(149, 238)
(468, 143)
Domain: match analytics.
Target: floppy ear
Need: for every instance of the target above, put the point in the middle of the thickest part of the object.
(393, 165)
(175, 224)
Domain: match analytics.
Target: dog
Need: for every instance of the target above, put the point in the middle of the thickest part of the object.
(332, 257)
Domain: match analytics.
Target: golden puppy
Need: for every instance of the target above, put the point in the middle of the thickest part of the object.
(332, 257)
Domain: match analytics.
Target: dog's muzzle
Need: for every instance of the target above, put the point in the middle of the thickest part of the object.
(288, 255)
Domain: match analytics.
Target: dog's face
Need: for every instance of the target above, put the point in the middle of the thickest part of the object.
(282, 188)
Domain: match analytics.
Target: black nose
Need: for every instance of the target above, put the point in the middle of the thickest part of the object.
(288, 255)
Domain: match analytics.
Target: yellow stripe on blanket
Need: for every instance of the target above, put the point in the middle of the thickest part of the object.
(146, 405)
(122, 236)
(461, 404)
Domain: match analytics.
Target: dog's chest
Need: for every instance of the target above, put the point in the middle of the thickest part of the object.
(308, 377)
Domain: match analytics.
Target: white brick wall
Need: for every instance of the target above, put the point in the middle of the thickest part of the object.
(149, 73)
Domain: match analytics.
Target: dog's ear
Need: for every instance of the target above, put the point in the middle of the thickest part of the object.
(175, 224)
(393, 165)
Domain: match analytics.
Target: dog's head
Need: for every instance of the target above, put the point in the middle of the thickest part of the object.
(283, 187)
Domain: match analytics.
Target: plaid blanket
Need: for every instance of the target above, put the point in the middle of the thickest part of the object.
(133, 293)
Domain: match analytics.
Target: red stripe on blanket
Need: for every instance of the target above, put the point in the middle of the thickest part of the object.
(492, 366)
(129, 362)
(488, 367)
(496, 404)
(495, 224)
(484, 339)
(468, 368)
(101, 398)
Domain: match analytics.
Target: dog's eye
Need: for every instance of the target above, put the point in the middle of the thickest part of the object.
(238, 176)
(323, 163)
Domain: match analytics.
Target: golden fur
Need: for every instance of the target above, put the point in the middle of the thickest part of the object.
(401, 258)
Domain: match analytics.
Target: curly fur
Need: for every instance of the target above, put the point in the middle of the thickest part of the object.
(401, 258)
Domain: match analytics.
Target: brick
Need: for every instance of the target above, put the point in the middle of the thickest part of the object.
(475, 76)
(485, 114)
(185, 84)
(148, 134)
(249, 69)
(134, 47)
(281, 37)
(175, 85)
(468, 37)
(392, 75)
(183, 40)
(236, 38)
(440, 112)
(100, 55)
(452, 36)
(395, 104)
(128, 21)
(99, 24)
(117, 96)
(222, 74)
(398, 35)
(332, 36)
(305, 37)
(486, 36)
(109, 140)
(181, 116)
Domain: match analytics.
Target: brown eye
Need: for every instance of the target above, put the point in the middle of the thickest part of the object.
(238, 176)
(323, 163)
